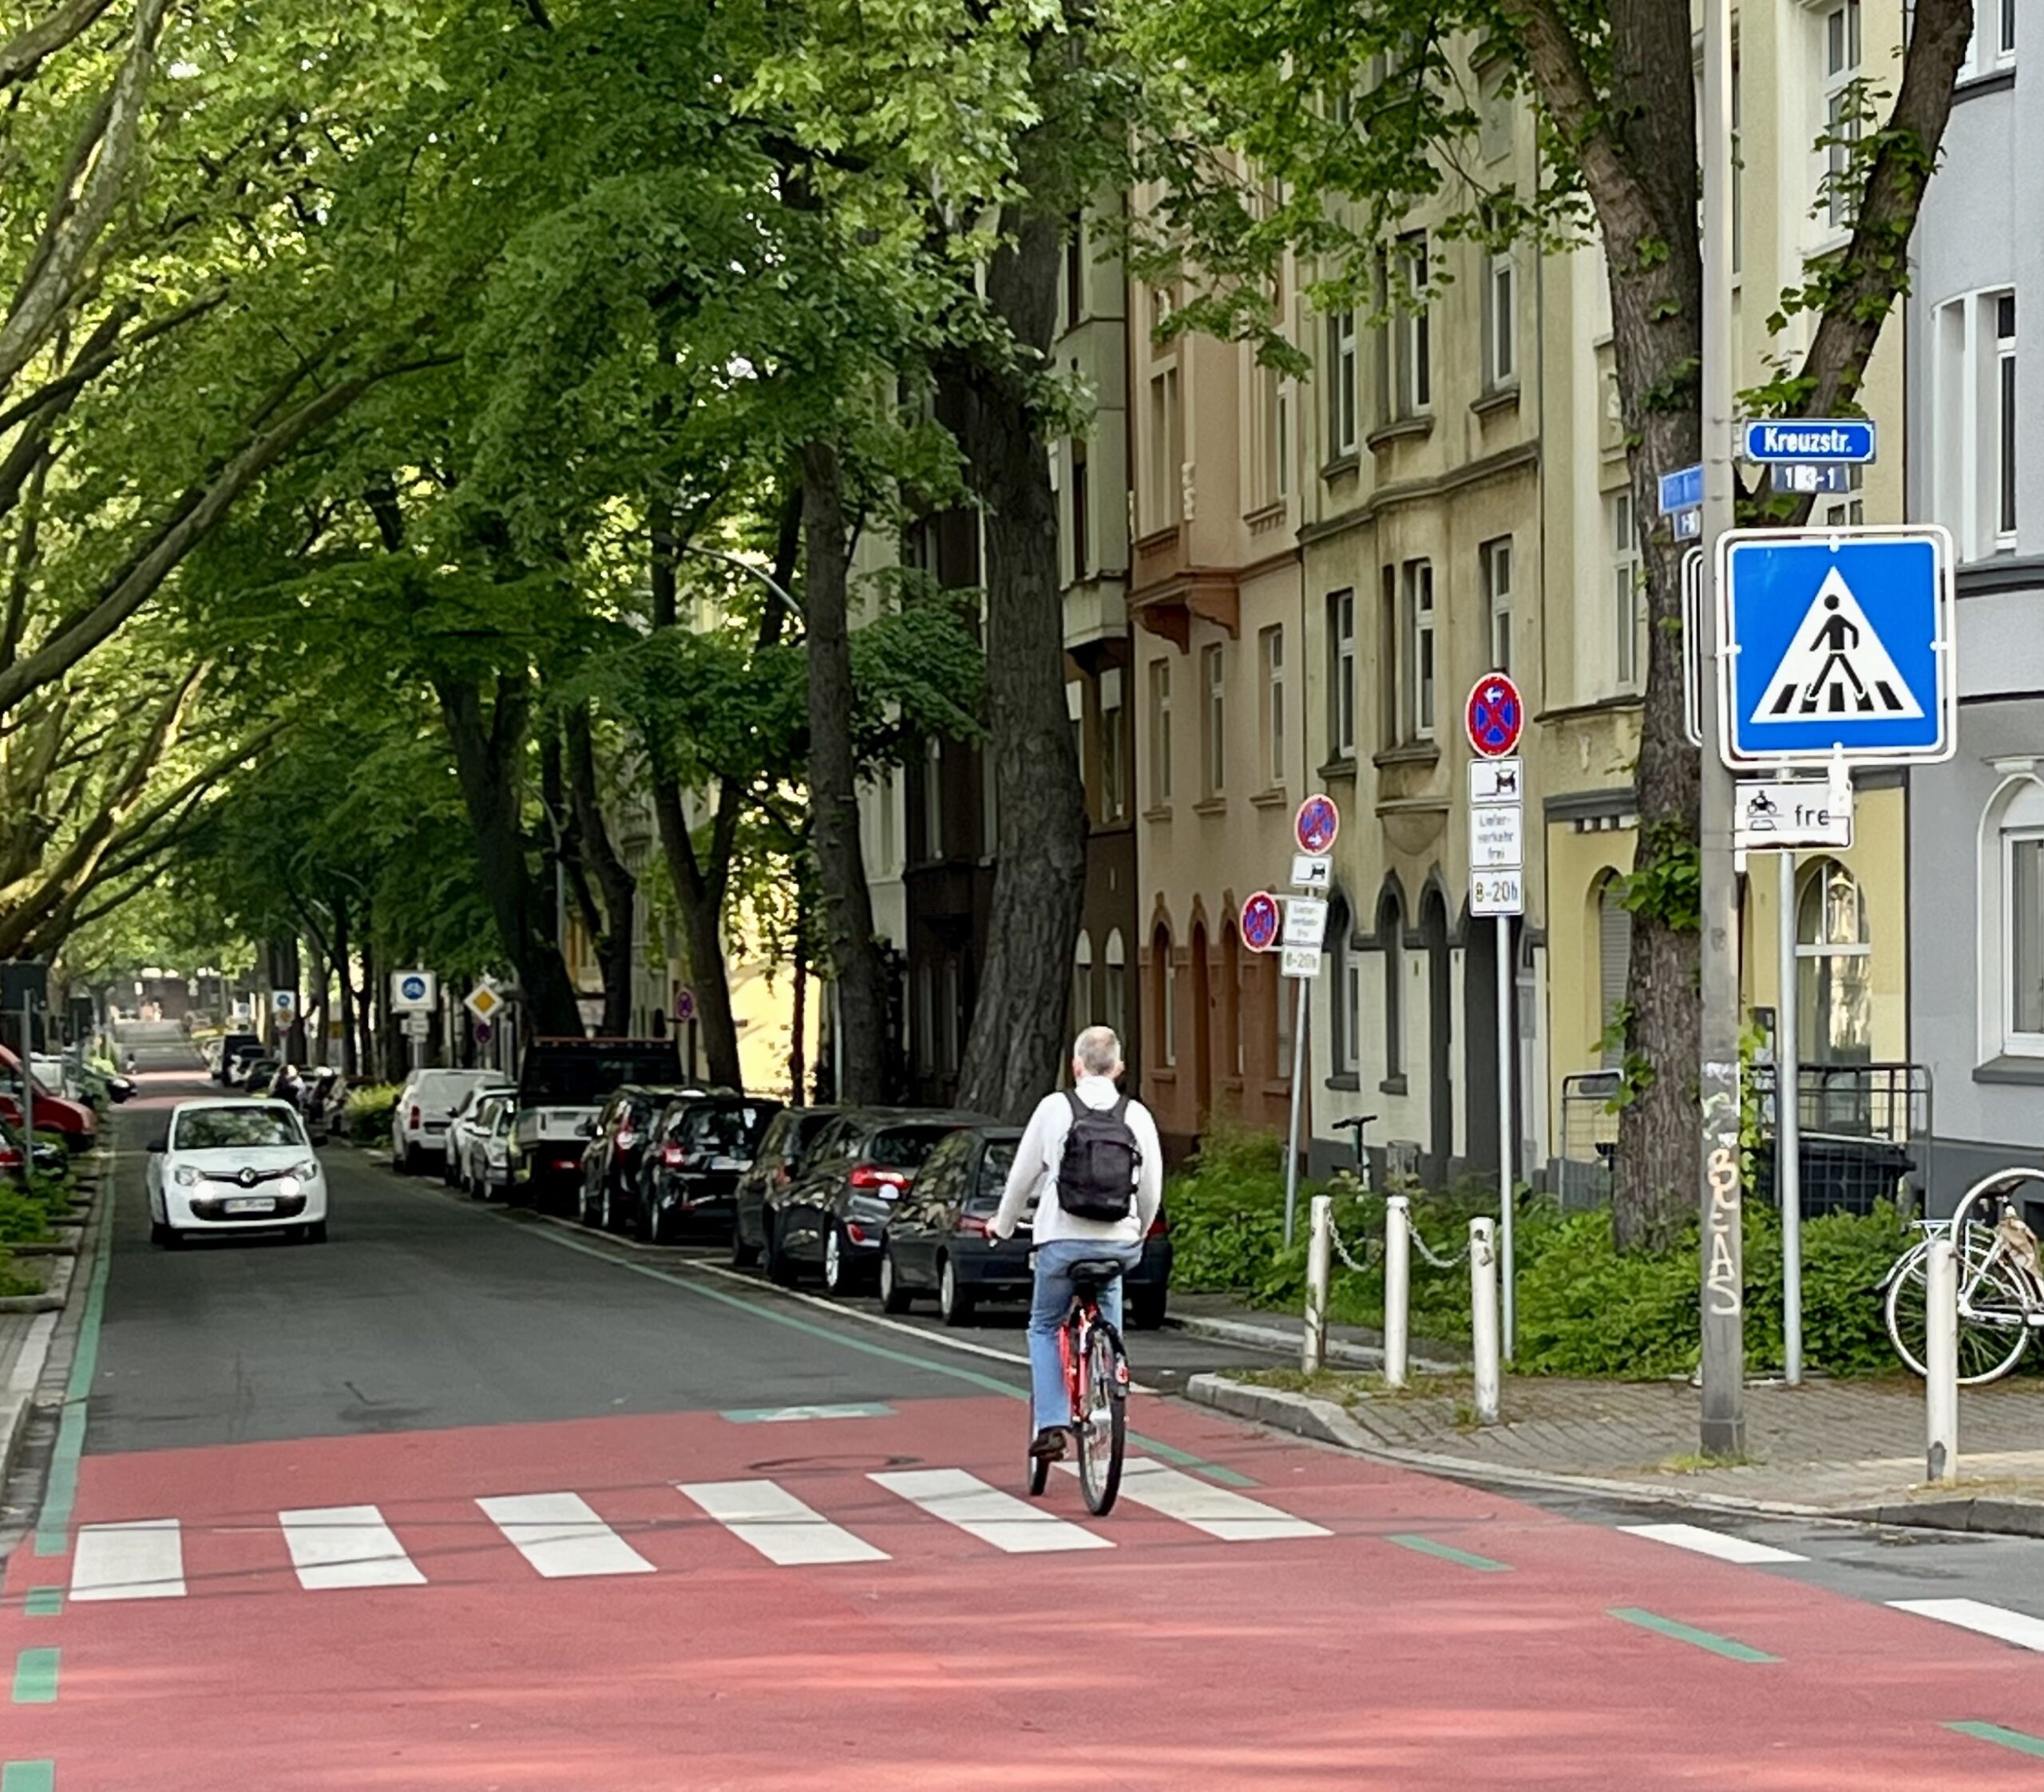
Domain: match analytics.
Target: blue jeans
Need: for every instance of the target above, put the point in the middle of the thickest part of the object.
(1052, 1398)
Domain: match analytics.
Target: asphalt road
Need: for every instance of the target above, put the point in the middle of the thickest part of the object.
(466, 1499)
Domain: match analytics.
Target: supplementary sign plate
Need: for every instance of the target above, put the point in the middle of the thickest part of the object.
(1497, 837)
(1497, 893)
(1301, 961)
(1312, 871)
(1497, 780)
(1306, 921)
(1769, 815)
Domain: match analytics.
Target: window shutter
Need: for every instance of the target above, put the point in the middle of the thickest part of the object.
(1614, 956)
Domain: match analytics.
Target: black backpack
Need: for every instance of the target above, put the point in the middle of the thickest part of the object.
(1096, 1176)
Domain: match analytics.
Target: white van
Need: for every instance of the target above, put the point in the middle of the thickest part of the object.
(418, 1123)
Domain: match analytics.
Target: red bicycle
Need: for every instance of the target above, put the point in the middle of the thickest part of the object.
(1096, 1374)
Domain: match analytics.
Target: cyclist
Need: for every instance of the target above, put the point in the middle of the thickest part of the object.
(1091, 1158)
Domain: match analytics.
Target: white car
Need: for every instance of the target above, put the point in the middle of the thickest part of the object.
(484, 1170)
(235, 1165)
(419, 1122)
(461, 1128)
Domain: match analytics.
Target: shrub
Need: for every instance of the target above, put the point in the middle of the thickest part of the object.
(12, 1281)
(24, 1218)
(369, 1110)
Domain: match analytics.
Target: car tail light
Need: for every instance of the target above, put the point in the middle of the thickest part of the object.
(870, 1175)
(417, 1118)
(1158, 1229)
(973, 1227)
(781, 1173)
(855, 1231)
(673, 1156)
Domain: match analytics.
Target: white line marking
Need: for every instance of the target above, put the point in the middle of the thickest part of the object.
(986, 1512)
(1712, 1543)
(1232, 1517)
(2018, 1627)
(765, 1515)
(144, 1559)
(560, 1535)
(347, 1546)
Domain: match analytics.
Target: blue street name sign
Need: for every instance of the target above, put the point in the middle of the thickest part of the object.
(1838, 644)
(1682, 490)
(1771, 439)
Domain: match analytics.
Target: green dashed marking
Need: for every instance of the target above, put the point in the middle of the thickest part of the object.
(1447, 1552)
(44, 1602)
(53, 1530)
(28, 1776)
(1999, 1733)
(1725, 1645)
(35, 1677)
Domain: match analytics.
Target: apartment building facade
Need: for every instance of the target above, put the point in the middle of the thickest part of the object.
(1976, 825)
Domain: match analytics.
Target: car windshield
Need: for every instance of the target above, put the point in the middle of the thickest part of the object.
(222, 1128)
(993, 1176)
(732, 1132)
(904, 1147)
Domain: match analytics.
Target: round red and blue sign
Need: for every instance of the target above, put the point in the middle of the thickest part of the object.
(1316, 825)
(1496, 716)
(1259, 921)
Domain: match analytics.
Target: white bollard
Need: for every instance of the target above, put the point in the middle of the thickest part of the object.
(1484, 1315)
(1319, 1253)
(1397, 1288)
(1941, 1358)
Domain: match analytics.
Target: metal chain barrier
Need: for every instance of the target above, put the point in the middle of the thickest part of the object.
(1372, 1248)
(1438, 1262)
(1372, 1252)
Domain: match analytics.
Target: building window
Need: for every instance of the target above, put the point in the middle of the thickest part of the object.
(1213, 719)
(1082, 984)
(933, 800)
(1841, 109)
(1500, 319)
(1160, 732)
(1161, 495)
(1075, 271)
(1614, 965)
(1834, 995)
(1270, 654)
(1412, 352)
(2022, 952)
(1115, 957)
(1419, 580)
(1494, 564)
(1992, 46)
(1973, 421)
(1390, 931)
(1344, 990)
(1340, 384)
(1164, 1019)
(1624, 590)
(1342, 674)
(1391, 682)
(1082, 518)
(1114, 747)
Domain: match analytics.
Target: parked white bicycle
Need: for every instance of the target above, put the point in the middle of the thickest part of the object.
(2001, 1281)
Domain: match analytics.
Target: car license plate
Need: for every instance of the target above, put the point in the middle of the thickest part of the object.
(250, 1204)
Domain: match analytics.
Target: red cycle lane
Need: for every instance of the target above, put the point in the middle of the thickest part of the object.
(863, 1603)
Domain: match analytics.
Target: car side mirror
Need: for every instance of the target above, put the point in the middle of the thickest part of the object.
(587, 1129)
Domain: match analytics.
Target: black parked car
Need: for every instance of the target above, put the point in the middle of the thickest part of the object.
(700, 1146)
(778, 1159)
(830, 1216)
(234, 1046)
(611, 1160)
(937, 1240)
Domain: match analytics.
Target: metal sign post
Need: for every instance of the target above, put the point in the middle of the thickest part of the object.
(1787, 1126)
(1299, 940)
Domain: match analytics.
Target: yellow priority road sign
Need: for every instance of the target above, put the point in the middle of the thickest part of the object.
(483, 1001)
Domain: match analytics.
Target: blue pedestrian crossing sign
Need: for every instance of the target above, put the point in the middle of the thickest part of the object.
(1838, 644)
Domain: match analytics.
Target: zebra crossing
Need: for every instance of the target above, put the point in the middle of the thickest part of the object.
(562, 1536)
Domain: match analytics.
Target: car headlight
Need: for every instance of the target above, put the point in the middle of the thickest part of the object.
(307, 1172)
(186, 1177)
(287, 1185)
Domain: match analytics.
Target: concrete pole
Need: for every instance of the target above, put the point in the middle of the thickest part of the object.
(1788, 1128)
(1941, 1358)
(1397, 1288)
(1484, 1316)
(28, 1098)
(1724, 1426)
(1319, 1266)
(1506, 1153)
(1301, 1009)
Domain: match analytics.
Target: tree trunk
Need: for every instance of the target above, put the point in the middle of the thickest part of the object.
(367, 997)
(342, 977)
(1018, 1041)
(488, 752)
(833, 783)
(618, 889)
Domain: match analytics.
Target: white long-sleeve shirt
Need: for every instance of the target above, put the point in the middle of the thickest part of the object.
(1042, 1151)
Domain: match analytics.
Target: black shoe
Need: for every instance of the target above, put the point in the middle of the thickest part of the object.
(1048, 1445)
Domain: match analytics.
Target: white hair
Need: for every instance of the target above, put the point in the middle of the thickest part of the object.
(1097, 1052)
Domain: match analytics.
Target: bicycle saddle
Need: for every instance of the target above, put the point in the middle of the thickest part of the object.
(1096, 1271)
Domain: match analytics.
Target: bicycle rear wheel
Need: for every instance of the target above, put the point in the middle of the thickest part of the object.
(1993, 1331)
(1101, 1429)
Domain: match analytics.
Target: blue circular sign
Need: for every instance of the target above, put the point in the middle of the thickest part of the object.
(1495, 716)
(412, 988)
(1259, 921)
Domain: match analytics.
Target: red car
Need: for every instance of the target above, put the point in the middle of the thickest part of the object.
(72, 1121)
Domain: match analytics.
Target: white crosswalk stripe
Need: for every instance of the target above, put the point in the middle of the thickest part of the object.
(141, 1560)
(766, 1516)
(1232, 1517)
(560, 1535)
(2018, 1627)
(1712, 1543)
(983, 1511)
(347, 1546)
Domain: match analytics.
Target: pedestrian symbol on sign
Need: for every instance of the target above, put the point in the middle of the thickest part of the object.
(1835, 665)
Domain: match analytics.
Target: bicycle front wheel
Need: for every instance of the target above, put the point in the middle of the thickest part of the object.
(1993, 1333)
(1101, 1427)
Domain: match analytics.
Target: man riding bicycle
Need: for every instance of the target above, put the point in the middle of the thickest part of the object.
(1101, 1147)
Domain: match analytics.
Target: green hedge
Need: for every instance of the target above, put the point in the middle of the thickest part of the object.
(1582, 1309)
(369, 1110)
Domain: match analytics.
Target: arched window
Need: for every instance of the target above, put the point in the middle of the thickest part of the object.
(1082, 983)
(1614, 964)
(1116, 958)
(1163, 1001)
(1345, 989)
(1391, 930)
(1834, 965)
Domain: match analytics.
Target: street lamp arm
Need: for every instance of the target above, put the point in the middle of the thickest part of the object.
(745, 566)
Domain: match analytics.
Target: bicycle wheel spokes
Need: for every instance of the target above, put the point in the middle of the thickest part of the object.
(1101, 1424)
(1993, 1331)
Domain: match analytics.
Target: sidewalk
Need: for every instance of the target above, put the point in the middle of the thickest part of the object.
(1838, 1448)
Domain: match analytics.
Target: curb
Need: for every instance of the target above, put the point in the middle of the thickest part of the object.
(17, 1398)
(17, 1401)
(1276, 1339)
(55, 1292)
(2012, 1518)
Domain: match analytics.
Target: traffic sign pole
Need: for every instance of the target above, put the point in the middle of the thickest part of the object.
(1788, 1123)
(1315, 828)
